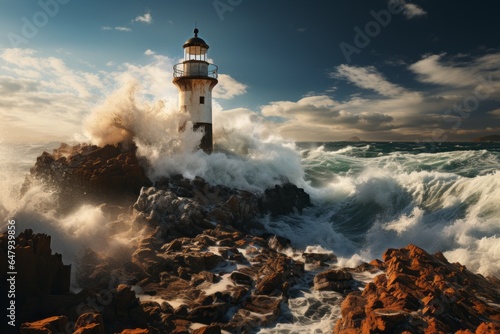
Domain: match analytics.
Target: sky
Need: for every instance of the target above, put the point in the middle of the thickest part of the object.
(381, 70)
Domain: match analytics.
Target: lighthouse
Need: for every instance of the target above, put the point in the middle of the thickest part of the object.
(195, 78)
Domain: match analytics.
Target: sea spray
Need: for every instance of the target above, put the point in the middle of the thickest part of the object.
(126, 116)
(249, 156)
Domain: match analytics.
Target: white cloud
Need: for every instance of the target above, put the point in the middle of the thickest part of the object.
(431, 70)
(410, 10)
(480, 74)
(149, 52)
(398, 113)
(47, 97)
(228, 87)
(44, 98)
(146, 18)
(123, 29)
(51, 71)
(367, 78)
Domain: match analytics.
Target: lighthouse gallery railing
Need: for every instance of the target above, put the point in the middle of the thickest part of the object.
(195, 72)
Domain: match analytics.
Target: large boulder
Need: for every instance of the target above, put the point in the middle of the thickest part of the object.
(284, 199)
(90, 173)
(421, 293)
(333, 280)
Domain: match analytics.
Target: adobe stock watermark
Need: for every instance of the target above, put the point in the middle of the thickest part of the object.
(372, 29)
(223, 6)
(461, 111)
(30, 27)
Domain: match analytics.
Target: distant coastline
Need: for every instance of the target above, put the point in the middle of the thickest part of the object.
(493, 138)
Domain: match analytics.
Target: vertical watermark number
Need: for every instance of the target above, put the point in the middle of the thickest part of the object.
(11, 273)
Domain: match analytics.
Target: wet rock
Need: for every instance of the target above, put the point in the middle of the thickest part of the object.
(240, 278)
(336, 280)
(123, 301)
(277, 274)
(40, 274)
(277, 242)
(88, 173)
(208, 313)
(89, 323)
(421, 291)
(319, 259)
(257, 312)
(185, 208)
(56, 324)
(198, 262)
(204, 277)
(284, 199)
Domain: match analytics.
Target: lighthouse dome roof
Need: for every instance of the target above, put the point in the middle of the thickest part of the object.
(195, 41)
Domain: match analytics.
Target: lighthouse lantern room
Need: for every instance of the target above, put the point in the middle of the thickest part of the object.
(195, 78)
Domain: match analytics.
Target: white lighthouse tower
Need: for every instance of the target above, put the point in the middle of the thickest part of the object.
(195, 78)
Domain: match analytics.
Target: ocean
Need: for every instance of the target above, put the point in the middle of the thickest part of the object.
(367, 196)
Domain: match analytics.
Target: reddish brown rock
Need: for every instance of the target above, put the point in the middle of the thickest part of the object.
(135, 331)
(421, 293)
(488, 328)
(89, 323)
(276, 275)
(56, 324)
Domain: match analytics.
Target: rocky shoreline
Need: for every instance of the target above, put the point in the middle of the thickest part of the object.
(204, 264)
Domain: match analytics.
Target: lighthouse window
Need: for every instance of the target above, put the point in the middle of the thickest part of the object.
(195, 53)
(202, 99)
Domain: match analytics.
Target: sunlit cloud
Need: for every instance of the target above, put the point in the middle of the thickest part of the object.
(410, 10)
(367, 78)
(476, 73)
(396, 113)
(228, 87)
(146, 18)
(44, 98)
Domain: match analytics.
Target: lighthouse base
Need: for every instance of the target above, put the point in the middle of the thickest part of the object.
(206, 143)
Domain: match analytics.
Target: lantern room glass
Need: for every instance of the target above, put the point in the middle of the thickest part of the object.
(195, 52)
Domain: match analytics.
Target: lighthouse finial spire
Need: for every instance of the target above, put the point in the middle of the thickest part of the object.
(196, 31)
